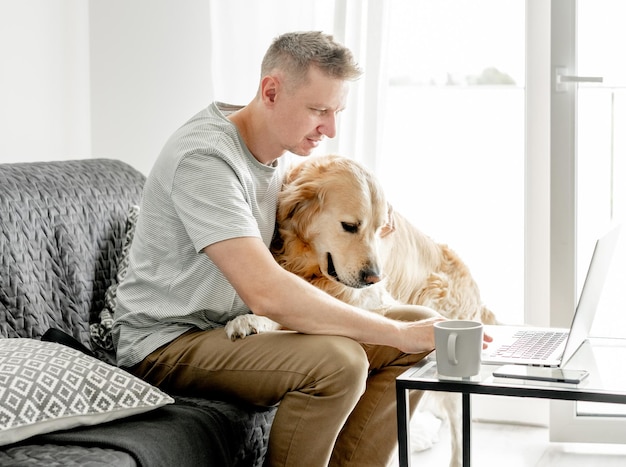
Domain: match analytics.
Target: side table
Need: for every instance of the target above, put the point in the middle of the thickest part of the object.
(424, 377)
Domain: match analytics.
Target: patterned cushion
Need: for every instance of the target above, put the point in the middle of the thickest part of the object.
(45, 386)
(101, 339)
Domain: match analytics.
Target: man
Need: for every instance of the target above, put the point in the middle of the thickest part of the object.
(200, 257)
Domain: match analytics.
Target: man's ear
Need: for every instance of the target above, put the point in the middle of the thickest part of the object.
(390, 226)
(269, 87)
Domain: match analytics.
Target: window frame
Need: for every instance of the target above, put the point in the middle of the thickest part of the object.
(565, 423)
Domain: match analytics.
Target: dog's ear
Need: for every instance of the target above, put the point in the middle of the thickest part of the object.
(293, 172)
(300, 199)
(390, 226)
(299, 202)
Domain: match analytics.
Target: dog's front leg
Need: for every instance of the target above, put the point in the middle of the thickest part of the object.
(451, 403)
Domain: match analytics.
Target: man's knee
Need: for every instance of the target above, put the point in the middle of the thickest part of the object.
(341, 365)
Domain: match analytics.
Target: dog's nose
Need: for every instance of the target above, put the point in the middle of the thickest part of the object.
(370, 276)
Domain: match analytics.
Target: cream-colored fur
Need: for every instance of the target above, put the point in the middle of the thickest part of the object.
(337, 231)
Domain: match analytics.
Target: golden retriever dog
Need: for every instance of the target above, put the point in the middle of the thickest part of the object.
(336, 230)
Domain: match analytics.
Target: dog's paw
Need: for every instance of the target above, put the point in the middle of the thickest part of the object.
(246, 325)
(424, 430)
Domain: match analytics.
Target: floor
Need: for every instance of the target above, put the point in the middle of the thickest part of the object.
(496, 444)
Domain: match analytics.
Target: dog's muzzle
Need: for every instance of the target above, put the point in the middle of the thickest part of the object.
(367, 276)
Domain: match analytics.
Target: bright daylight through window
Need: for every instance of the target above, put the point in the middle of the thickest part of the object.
(454, 135)
(601, 143)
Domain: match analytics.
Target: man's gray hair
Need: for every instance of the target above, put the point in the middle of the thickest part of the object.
(295, 52)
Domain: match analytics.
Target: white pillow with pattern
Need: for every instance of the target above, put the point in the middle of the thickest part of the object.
(45, 386)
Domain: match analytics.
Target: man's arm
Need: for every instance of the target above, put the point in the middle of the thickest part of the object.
(271, 291)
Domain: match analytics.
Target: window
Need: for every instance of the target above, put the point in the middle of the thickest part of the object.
(601, 145)
(453, 143)
(479, 152)
(587, 39)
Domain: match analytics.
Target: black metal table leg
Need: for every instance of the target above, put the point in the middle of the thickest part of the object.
(402, 407)
(467, 430)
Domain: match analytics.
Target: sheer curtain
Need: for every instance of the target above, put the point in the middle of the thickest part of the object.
(238, 43)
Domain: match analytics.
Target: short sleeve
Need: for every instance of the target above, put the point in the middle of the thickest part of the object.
(211, 201)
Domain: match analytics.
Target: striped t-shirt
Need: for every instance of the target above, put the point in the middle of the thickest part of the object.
(205, 187)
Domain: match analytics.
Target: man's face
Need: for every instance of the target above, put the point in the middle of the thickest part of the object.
(303, 116)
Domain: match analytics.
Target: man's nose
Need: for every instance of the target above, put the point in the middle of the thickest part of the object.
(329, 126)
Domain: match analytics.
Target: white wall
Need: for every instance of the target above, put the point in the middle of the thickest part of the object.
(115, 78)
(150, 72)
(104, 78)
(44, 80)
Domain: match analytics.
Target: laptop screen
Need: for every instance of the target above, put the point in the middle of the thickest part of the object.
(591, 292)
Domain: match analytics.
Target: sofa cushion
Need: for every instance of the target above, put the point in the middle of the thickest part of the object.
(53, 455)
(45, 386)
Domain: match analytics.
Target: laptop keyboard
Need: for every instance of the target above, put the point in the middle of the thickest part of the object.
(532, 344)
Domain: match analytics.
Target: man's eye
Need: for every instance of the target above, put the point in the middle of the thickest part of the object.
(350, 228)
(320, 111)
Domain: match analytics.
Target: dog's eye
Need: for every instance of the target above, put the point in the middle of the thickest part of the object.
(350, 228)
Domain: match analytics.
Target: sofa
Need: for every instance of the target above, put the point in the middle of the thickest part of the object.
(65, 229)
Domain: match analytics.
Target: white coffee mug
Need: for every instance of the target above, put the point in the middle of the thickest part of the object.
(459, 345)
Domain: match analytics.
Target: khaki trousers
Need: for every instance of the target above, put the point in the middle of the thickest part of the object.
(336, 398)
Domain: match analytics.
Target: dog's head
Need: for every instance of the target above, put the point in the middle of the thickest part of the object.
(331, 216)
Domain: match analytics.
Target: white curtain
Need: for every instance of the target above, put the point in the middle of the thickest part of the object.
(238, 43)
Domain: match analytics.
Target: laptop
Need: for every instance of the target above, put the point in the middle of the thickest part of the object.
(553, 347)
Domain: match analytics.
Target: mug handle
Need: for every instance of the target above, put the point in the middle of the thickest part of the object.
(452, 349)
